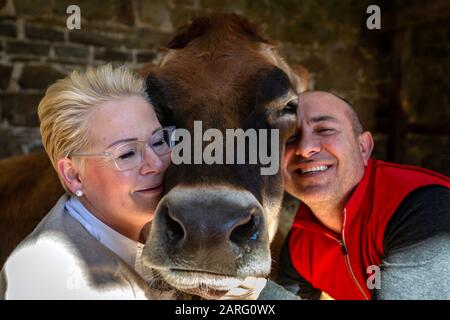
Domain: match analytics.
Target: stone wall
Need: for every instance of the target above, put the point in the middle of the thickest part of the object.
(397, 77)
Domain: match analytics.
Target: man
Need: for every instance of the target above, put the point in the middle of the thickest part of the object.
(366, 229)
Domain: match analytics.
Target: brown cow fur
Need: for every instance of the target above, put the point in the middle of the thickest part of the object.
(29, 187)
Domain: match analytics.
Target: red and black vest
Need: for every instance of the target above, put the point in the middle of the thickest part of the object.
(337, 263)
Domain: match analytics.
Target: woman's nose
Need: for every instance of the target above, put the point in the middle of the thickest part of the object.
(152, 163)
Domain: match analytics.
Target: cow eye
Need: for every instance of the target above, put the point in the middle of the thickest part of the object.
(290, 108)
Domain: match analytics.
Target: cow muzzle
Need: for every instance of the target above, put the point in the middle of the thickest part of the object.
(208, 237)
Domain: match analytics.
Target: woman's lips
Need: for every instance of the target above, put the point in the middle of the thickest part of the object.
(156, 188)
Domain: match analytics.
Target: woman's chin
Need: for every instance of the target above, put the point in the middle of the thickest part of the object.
(147, 204)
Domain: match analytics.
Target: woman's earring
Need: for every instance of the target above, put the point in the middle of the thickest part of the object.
(78, 193)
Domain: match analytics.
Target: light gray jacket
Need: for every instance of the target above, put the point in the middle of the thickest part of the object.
(61, 260)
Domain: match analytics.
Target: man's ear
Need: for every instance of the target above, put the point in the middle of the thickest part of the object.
(365, 146)
(69, 171)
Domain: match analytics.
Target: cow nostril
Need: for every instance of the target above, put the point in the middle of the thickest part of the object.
(244, 233)
(174, 230)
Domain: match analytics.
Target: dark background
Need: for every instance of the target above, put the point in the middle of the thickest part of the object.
(397, 77)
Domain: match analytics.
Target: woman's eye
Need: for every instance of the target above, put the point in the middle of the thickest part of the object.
(127, 155)
(158, 143)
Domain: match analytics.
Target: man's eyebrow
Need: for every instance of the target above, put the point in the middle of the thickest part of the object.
(322, 119)
(128, 139)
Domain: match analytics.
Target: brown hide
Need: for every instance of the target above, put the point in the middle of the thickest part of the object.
(29, 187)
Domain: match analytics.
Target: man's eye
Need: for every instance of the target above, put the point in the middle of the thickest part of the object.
(326, 130)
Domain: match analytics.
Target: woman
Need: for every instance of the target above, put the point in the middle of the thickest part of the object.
(110, 152)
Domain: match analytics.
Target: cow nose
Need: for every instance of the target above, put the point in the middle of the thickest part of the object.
(212, 229)
(219, 223)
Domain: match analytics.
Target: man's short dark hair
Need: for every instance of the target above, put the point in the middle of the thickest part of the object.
(354, 119)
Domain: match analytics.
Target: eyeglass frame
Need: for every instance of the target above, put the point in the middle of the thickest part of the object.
(145, 144)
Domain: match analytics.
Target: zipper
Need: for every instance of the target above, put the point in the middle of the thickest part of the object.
(347, 258)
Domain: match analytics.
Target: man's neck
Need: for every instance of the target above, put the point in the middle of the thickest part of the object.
(330, 214)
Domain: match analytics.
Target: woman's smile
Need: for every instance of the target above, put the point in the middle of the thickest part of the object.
(151, 190)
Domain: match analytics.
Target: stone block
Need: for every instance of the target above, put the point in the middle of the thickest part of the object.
(44, 33)
(27, 47)
(94, 37)
(156, 14)
(146, 38)
(39, 77)
(71, 51)
(19, 109)
(34, 7)
(9, 145)
(5, 76)
(112, 55)
(8, 29)
(17, 141)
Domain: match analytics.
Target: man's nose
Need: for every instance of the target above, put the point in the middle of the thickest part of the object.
(307, 146)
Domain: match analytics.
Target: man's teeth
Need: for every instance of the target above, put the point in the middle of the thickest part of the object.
(315, 169)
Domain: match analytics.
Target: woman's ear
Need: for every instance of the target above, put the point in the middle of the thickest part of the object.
(69, 171)
(366, 146)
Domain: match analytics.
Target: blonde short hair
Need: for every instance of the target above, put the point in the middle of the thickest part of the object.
(64, 111)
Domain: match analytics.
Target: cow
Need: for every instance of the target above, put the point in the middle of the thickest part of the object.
(215, 222)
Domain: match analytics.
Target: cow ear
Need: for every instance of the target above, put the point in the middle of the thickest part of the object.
(156, 92)
(147, 69)
(185, 34)
(302, 75)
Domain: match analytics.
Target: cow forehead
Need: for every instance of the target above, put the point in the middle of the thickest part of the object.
(225, 82)
(219, 65)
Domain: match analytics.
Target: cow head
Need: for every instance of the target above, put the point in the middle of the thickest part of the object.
(216, 222)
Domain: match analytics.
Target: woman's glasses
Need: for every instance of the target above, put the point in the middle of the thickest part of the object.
(130, 155)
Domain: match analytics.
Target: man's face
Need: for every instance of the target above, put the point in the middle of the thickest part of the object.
(324, 160)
